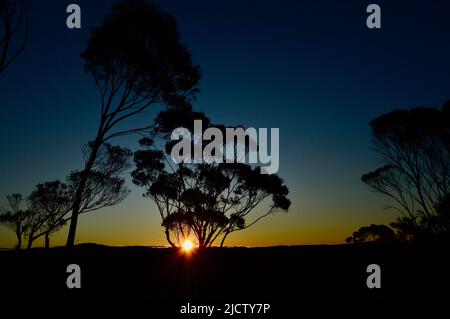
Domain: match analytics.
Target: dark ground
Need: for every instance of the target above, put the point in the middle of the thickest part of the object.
(286, 276)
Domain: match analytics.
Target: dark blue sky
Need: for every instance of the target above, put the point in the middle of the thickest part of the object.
(311, 68)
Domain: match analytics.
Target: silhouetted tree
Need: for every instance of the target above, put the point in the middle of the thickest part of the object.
(415, 147)
(104, 187)
(136, 60)
(373, 233)
(50, 202)
(13, 30)
(211, 200)
(14, 217)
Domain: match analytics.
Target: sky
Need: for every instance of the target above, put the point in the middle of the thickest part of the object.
(310, 68)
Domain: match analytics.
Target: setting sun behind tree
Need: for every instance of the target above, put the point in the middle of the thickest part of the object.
(187, 246)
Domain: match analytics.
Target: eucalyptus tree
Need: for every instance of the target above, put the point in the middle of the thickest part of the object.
(137, 61)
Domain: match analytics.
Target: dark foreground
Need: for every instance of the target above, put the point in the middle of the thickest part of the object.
(278, 275)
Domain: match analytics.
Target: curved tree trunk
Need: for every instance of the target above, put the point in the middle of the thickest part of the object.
(224, 237)
(76, 208)
(79, 193)
(168, 238)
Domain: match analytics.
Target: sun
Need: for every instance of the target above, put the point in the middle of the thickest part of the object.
(187, 246)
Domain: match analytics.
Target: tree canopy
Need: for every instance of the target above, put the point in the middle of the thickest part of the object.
(209, 200)
(14, 217)
(414, 146)
(373, 233)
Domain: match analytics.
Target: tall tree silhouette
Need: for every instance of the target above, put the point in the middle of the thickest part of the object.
(13, 30)
(15, 217)
(415, 148)
(136, 60)
(209, 200)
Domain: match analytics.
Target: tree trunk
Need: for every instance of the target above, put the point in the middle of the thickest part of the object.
(79, 193)
(201, 243)
(223, 239)
(19, 241)
(168, 238)
(30, 240)
(47, 240)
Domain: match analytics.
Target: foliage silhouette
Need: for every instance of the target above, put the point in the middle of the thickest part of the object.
(415, 148)
(137, 61)
(373, 233)
(104, 187)
(49, 204)
(209, 200)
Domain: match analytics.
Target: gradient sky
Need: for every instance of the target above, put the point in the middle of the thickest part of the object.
(311, 68)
